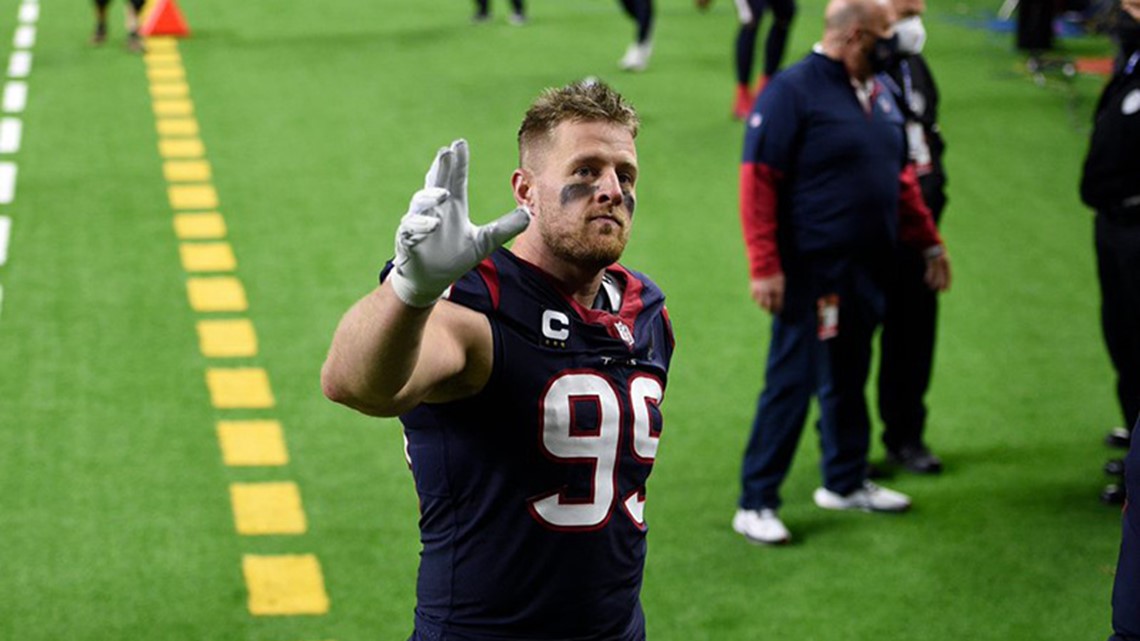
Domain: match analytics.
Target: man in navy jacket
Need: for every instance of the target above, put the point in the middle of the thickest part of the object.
(826, 193)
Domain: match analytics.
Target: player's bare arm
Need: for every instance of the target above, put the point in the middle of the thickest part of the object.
(400, 345)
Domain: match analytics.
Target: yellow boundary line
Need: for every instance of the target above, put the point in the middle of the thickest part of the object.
(277, 585)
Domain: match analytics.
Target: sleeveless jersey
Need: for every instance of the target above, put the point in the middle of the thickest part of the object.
(532, 491)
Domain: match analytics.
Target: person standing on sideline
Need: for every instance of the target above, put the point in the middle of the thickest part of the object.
(906, 353)
(529, 382)
(826, 192)
(751, 12)
(1110, 184)
(483, 12)
(637, 55)
(134, 42)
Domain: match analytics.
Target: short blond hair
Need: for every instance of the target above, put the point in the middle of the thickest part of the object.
(582, 101)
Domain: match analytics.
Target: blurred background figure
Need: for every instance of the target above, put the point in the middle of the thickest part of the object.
(134, 42)
(483, 12)
(1110, 184)
(907, 341)
(751, 12)
(637, 55)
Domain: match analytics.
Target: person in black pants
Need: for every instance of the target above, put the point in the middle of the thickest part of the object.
(134, 42)
(636, 56)
(483, 12)
(909, 324)
(1111, 186)
(1126, 585)
(751, 12)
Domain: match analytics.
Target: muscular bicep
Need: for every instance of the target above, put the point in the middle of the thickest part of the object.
(455, 356)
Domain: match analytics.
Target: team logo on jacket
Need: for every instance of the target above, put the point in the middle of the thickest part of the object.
(555, 328)
(1131, 103)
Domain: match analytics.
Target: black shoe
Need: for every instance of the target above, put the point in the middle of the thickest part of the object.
(1114, 467)
(876, 471)
(1113, 494)
(1118, 437)
(916, 459)
(100, 35)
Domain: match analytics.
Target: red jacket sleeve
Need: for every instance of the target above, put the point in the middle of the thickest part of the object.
(758, 217)
(916, 223)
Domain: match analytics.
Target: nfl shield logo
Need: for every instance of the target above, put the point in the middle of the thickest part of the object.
(624, 333)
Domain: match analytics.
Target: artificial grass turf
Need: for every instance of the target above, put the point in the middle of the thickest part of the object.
(319, 121)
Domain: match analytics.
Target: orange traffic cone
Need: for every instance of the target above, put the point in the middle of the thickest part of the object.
(164, 19)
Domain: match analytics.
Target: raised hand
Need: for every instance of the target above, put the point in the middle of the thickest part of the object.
(436, 242)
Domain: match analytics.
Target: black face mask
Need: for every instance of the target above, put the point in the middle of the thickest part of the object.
(884, 51)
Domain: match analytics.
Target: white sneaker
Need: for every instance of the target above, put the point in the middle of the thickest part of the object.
(869, 498)
(517, 19)
(761, 526)
(636, 57)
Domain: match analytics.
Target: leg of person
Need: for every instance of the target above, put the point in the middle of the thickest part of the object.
(1118, 255)
(637, 55)
(905, 362)
(518, 12)
(844, 426)
(1126, 584)
(750, 13)
(134, 41)
(100, 35)
(783, 11)
(482, 11)
(776, 428)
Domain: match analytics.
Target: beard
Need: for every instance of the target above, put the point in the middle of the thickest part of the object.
(588, 244)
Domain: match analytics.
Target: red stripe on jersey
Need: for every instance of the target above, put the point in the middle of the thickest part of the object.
(490, 275)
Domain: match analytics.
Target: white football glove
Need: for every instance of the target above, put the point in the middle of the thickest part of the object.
(436, 242)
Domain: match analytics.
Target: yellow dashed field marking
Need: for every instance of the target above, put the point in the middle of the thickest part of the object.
(283, 585)
(161, 74)
(161, 58)
(201, 196)
(181, 148)
(163, 108)
(286, 585)
(181, 171)
(239, 388)
(207, 257)
(252, 443)
(177, 126)
(170, 90)
(218, 294)
(199, 226)
(227, 338)
(267, 508)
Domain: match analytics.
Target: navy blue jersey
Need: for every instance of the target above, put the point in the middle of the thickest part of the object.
(532, 491)
(839, 165)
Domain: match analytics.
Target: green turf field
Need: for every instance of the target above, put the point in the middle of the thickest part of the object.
(318, 121)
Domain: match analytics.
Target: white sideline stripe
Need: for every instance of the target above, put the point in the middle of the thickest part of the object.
(25, 37)
(29, 12)
(1, 298)
(7, 182)
(10, 129)
(15, 96)
(20, 64)
(5, 233)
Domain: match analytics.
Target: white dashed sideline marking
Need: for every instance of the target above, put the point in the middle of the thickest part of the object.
(5, 232)
(15, 96)
(10, 129)
(29, 12)
(25, 37)
(20, 64)
(7, 182)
